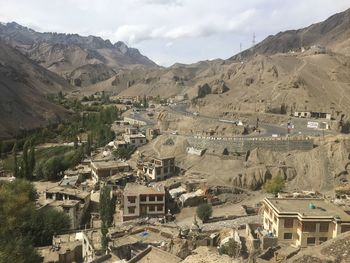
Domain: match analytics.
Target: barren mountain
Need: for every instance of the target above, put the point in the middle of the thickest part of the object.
(71, 55)
(23, 85)
(317, 79)
(333, 33)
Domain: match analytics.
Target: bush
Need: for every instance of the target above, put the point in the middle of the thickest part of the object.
(231, 248)
(204, 212)
(274, 185)
(124, 153)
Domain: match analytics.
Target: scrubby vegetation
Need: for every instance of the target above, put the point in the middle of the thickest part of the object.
(204, 212)
(23, 226)
(274, 185)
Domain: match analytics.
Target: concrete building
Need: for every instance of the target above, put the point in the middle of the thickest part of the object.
(103, 169)
(142, 201)
(304, 221)
(312, 114)
(159, 168)
(73, 202)
(134, 121)
(120, 144)
(135, 140)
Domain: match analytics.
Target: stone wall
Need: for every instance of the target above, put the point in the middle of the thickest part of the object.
(242, 145)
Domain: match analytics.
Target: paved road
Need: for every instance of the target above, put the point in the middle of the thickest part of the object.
(268, 128)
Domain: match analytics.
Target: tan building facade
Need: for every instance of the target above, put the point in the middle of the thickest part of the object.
(142, 201)
(103, 169)
(304, 222)
(160, 168)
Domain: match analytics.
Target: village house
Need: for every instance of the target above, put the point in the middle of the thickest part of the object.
(134, 121)
(103, 169)
(71, 201)
(159, 168)
(135, 140)
(304, 221)
(120, 144)
(141, 201)
(312, 114)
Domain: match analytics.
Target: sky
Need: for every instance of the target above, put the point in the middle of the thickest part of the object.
(170, 31)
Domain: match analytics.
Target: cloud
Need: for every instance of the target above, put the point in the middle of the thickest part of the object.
(216, 24)
(162, 2)
(201, 29)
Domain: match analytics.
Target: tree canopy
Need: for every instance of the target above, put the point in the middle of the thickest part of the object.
(22, 225)
(204, 211)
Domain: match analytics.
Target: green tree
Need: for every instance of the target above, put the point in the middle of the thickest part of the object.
(274, 185)
(31, 160)
(25, 173)
(1, 149)
(123, 153)
(15, 162)
(107, 210)
(204, 211)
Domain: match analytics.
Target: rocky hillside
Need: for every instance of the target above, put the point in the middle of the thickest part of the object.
(23, 85)
(70, 55)
(317, 79)
(333, 33)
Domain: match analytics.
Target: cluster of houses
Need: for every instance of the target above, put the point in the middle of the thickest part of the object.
(149, 190)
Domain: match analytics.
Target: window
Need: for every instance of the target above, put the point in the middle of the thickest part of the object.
(274, 232)
(131, 210)
(322, 239)
(311, 241)
(132, 141)
(309, 227)
(166, 170)
(132, 199)
(141, 141)
(288, 236)
(275, 219)
(152, 198)
(159, 198)
(143, 198)
(324, 227)
(159, 208)
(288, 222)
(151, 208)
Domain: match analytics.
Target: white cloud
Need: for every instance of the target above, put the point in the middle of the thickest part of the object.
(201, 29)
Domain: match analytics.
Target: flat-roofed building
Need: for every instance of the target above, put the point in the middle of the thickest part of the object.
(135, 140)
(73, 202)
(159, 168)
(304, 221)
(120, 144)
(103, 169)
(142, 201)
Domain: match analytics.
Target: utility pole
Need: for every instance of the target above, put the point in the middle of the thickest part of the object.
(254, 39)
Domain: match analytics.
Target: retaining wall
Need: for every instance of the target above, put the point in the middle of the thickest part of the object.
(243, 145)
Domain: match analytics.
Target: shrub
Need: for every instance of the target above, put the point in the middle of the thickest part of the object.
(204, 211)
(274, 185)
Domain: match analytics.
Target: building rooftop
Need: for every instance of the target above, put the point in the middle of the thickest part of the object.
(153, 254)
(135, 136)
(120, 142)
(69, 191)
(69, 180)
(109, 164)
(64, 203)
(134, 188)
(308, 208)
